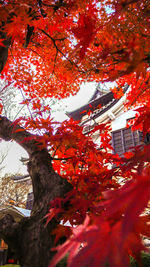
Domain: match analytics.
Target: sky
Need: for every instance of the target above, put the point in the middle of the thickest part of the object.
(12, 162)
(71, 103)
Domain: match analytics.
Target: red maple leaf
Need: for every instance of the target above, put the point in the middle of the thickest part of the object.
(2, 42)
(85, 32)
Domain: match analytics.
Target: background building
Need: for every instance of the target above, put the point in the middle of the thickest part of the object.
(103, 107)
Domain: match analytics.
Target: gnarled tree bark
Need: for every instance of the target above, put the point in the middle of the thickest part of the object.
(30, 239)
(4, 49)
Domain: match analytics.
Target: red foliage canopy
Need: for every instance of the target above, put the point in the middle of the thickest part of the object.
(55, 46)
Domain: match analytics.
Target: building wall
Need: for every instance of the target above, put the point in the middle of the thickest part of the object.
(121, 120)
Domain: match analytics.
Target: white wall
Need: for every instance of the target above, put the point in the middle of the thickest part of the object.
(120, 121)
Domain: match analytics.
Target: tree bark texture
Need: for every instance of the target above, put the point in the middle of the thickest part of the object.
(4, 49)
(30, 239)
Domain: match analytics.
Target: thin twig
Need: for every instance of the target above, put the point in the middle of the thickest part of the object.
(55, 45)
(61, 158)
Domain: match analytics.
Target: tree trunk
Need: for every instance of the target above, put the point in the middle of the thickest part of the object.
(4, 49)
(30, 240)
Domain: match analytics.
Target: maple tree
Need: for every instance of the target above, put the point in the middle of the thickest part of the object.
(47, 49)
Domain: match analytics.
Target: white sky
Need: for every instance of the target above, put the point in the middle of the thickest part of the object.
(74, 102)
(12, 164)
(15, 152)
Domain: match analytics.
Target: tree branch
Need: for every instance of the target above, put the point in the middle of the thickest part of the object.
(46, 183)
(4, 50)
(11, 131)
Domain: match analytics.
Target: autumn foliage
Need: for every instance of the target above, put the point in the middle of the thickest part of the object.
(55, 46)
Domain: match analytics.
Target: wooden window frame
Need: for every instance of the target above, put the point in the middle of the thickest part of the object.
(124, 141)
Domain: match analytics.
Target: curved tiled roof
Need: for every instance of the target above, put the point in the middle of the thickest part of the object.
(105, 102)
(16, 212)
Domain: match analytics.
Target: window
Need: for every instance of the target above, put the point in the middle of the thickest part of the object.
(29, 203)
(123, 140)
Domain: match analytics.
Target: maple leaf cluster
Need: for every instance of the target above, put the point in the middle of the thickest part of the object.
(55, 46)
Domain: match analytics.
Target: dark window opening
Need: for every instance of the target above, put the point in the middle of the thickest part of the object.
(147, 138)
(125, 139)
(29, 203)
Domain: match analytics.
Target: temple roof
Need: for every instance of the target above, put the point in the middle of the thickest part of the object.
(91, 106)
(101, 89)
(98, 104)
(15, 211)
